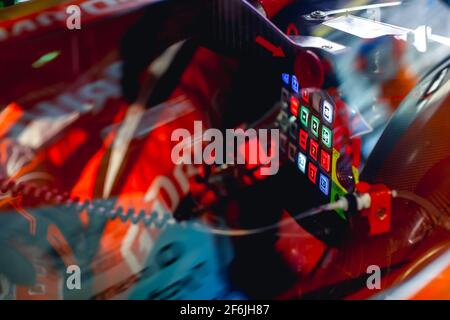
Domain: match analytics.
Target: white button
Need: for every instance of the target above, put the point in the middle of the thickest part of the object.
(327, 111)
(301, 162)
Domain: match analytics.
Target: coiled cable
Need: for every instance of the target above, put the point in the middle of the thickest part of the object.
(33, 195)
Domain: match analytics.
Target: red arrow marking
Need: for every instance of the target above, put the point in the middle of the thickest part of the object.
(276, 51)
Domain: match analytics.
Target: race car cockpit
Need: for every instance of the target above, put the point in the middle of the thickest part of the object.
(355, 95)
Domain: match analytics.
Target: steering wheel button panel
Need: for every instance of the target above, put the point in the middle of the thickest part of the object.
(309, 114)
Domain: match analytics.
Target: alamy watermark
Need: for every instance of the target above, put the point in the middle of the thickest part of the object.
(373, 282)
(73, 21)
(235, 146)
(73, 281)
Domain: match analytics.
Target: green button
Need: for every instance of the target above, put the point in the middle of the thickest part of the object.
(315, 126)
(304, 116)
(326, 136)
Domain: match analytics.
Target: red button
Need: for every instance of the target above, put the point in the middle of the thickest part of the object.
(294, 106)
(313, 149)
(325, 160)
(312, 172)
(305, 95)
(303, 139)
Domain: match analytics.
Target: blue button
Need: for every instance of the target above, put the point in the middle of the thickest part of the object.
(286, 78)
(324, 184)
(295, 85)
